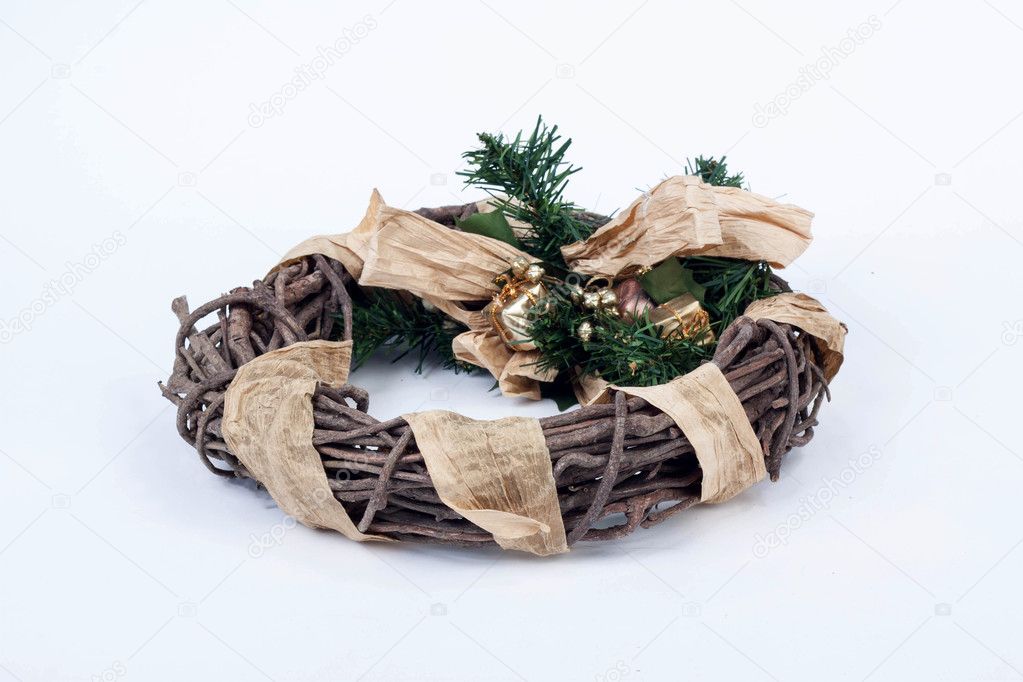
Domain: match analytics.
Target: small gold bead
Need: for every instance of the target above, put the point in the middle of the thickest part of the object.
(608, 299)
(585, 332)
(534, 273)
(519, 266)
(575, 292)
(591, 300)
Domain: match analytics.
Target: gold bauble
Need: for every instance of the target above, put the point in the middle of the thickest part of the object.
(591, 300)
(584, 332)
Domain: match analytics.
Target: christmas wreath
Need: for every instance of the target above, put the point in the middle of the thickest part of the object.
(695, 366)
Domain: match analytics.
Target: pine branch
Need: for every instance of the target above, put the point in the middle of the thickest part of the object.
(730, 286)
(385, 319)
(527, 178)
(714, 172)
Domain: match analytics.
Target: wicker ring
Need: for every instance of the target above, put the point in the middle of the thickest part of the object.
(375, 470)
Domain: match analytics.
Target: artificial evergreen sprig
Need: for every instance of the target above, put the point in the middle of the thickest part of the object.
(385, 319)
(729, 286)
(714, 171)
(527, 178)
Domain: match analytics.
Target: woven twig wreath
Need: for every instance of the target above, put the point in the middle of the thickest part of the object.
(625, 459)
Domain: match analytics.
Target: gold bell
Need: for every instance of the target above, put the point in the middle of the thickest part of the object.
(511, 312)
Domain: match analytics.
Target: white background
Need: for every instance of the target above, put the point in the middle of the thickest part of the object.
(121, 557)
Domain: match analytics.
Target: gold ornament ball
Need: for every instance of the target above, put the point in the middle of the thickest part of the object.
(519, 266)
(591, 300)
(608, 299)
(585, 332)
(534, 273)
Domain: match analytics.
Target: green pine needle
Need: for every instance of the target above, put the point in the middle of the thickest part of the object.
(527, 178)
(388, 320)
(730, 285)
(714, 172)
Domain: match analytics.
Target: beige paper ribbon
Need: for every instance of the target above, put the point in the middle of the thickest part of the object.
(516, 371)
(711, 416)
(268, 425)
(348, 248)
(411, 253)
(497, 474)
(809, 315)
(397, 249)
(755, 227)
(588, 388)
(684, 216)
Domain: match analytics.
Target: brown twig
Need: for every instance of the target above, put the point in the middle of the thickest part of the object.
(626, 461)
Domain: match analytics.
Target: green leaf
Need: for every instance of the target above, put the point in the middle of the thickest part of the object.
(670, 280)
(492, 224)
